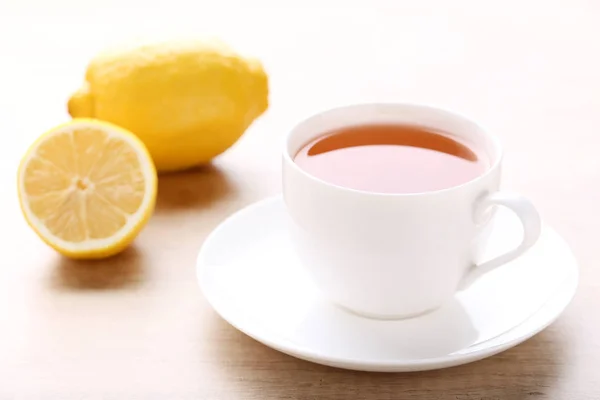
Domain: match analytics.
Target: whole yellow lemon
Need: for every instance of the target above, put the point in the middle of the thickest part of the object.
(188, 101)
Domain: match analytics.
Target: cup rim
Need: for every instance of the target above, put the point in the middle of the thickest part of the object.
(288, 158)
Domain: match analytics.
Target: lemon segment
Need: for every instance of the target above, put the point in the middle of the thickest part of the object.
(87, 188)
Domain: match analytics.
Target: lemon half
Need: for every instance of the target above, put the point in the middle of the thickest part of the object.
(87, 188)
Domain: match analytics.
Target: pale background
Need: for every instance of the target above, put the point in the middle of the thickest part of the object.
(138, 327)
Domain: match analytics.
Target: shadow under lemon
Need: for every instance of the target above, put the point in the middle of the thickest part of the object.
(124, 270)
(192, 189)
(530, 371)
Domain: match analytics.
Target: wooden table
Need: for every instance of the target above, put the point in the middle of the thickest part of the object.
(137, 327)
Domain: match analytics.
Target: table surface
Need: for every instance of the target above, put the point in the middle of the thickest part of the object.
(136, 326)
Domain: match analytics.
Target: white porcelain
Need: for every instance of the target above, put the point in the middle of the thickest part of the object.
(252, 277)
(397, 255)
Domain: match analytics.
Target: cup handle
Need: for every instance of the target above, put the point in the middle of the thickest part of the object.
(532, 228)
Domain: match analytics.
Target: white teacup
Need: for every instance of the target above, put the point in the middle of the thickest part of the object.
(397, 255)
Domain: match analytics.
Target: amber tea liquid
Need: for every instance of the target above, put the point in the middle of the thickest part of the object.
(391, 159)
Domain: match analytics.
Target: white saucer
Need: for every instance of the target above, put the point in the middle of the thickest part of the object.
(251, 277)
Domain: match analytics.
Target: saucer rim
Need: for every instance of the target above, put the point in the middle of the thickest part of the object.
(562, 295)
